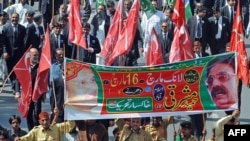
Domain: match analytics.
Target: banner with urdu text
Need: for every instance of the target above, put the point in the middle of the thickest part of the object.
(199, 85)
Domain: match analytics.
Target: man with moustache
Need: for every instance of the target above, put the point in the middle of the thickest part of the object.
(221, 82)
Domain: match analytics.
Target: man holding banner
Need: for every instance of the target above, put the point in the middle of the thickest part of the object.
(221, 82)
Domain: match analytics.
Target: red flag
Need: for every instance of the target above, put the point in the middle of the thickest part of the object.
(76, 35)
(113, 33)
(127, 35)
(41, 83)
(181, 48)
(179, 13)
(237, 44)
(154, 52)
(22, 71)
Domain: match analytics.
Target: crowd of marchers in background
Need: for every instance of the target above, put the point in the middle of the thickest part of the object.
(21, 26)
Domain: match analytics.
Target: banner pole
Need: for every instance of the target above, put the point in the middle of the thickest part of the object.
(53, 7)
(53, 86)
(5, 81)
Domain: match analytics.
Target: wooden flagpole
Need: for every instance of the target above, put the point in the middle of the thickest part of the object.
(5, 81)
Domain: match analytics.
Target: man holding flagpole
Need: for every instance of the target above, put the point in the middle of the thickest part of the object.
(34, 106)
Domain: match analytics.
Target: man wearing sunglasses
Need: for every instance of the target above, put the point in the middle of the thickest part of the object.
(221, 82)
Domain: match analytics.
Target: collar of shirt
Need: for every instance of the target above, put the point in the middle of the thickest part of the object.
(36, 25)
(198, 18)
(165, 33)
(50, 128)
(137, 132)
(14, 25)
(33, 65)
(12, 132)
(57, 35)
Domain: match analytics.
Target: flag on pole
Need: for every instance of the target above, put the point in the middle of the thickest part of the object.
(22, 71)
(41, 83)
(154, 51)
(179, 13)
(126, 38)
(113, 33)
(181, 48)
(237, 44)
(76, 35)
(188, 12)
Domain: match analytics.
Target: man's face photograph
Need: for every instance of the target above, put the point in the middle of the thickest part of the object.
(221, 85)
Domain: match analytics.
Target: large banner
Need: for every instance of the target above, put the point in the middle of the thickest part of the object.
(199, 85)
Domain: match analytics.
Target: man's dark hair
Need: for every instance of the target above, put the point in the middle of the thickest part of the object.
(115, 130)
(14, 117)
(57, 25)
(30, 13)
(86, 25)
(216, 9)
(227, 60)
(110, 3)
(171, 10)
(200, 9)
(37, 17)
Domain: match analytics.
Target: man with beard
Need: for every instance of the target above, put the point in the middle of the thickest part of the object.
(62, 13)
(158, 128)
(100, 23)
(221, 82)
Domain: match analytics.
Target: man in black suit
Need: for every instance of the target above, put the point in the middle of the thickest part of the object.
(34, 33)
(228, 11)
(197, 26)
(219, 32)
(57, 40)
(14, 49)
(92, 48)
(166, 39)
(198, 50)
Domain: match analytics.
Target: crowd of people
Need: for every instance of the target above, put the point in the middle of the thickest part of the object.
(21, 27)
